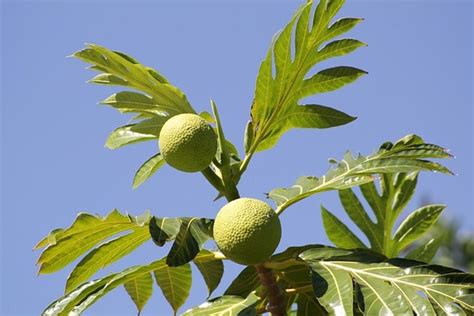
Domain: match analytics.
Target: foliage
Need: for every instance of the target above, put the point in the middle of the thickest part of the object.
(449, 243)
(355, 277)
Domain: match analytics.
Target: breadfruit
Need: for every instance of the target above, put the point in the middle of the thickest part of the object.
(187, 142)
(247, 231)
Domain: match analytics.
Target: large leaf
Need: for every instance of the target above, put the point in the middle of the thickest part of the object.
(175, 283)
(81, 298)
(164, 229)
(106, 254)
(395, 286)
(192, 235)
(225, 306)
(136, 76)
(275, 109)
(140, 290)
(396, 191)
(159, 100)
(86, 232)
(404, 156)
(211, 270)
(308, 305)
(244, 283)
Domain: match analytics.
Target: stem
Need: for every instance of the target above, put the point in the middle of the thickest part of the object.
(227, 185)
(245, 163)
(213, 179)
(276, 298)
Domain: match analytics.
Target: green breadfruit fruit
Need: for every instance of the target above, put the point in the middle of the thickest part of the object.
(247, 231)
(188, 143)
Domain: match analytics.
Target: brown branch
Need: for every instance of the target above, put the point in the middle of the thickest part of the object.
(276, 298)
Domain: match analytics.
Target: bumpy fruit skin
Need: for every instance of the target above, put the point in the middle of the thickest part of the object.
(247, 231)
(187, 142)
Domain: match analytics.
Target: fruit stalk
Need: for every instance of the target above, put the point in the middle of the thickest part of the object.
(276, 298)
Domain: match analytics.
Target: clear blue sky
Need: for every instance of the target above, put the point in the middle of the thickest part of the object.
(54, 163)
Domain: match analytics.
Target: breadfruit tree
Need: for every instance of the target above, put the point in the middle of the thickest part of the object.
(390, 274)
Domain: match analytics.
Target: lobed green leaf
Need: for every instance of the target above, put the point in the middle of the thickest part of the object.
(86, 232)
(277, 95)
(106, 254)
(352, 171)
(388, 286)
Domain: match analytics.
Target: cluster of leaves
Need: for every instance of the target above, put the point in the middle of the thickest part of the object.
(353, 278)
(104, 240)
(152, 107)
(315, 278)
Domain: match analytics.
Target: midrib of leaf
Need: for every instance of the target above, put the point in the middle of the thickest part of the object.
(426, 289)
(374, 291)
(171, 288)
(339, 294)
(282, 102)
(407, 298)
(324, 186)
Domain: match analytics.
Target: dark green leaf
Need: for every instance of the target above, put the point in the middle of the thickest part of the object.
(193, 233)
(244, 283)
(308, 305)
(211, 270)
(163, 229)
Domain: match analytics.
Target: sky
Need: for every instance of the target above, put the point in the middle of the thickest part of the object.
(54, 163)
